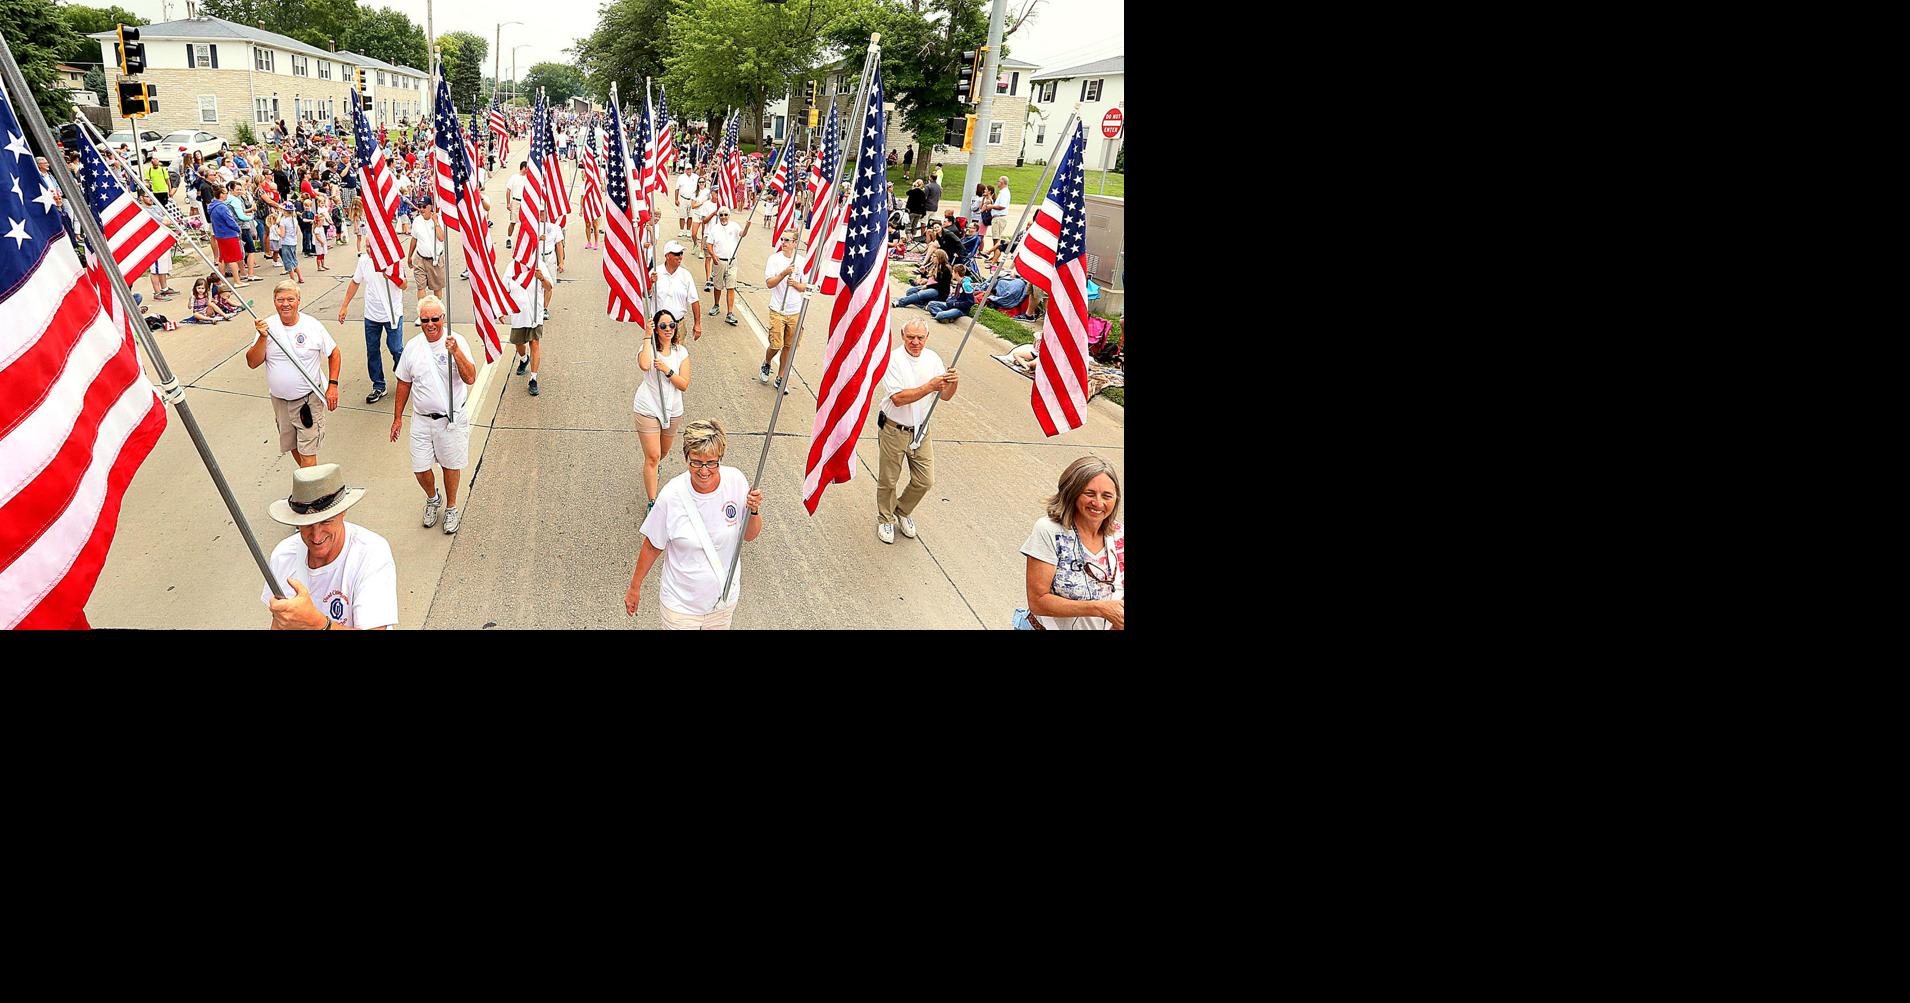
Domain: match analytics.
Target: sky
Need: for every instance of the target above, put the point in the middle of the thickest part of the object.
(1063, 32)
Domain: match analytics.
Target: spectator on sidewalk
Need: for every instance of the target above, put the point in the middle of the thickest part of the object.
(916, 204)
(961, 300)
(341, 574)
(914, 372)
(931, 284)
(1077, 560)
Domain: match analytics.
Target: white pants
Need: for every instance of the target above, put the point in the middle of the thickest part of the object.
(435, 441)
(719, 620)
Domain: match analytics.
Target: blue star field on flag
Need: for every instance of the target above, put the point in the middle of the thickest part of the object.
(1066, 191)
(102, 188)
(29, 224)
(867, 223)
(616, 168)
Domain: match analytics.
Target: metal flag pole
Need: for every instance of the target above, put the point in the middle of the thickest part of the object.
(789, 354)
(213, 270)
(1006, 261)
(650, 318)
(450, 357)
(140, 185)
(169, 388)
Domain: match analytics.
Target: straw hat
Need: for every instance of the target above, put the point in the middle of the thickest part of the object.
(324, 485)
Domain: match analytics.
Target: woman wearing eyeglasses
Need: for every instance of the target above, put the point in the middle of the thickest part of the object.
(1077, 561)
(663, 374)
(695, 526)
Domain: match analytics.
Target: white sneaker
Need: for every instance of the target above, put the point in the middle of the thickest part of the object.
(908, 526)
(764, 374)
(885, 532)
(451, 519)
(431, 510)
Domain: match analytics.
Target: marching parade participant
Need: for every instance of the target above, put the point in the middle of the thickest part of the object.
(657, 417)
(698, 516)
(440, 434)
(298, 412)
(341, 574)
(722, 238)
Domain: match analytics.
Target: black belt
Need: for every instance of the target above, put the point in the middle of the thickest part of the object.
(883, 419)
(433, 417)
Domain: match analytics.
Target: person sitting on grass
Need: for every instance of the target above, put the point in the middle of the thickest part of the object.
(931, 284)
(959, 304)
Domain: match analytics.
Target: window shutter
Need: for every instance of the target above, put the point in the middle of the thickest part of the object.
(1014, 80)
(215, 55)
(1084, 90)
(190, 64)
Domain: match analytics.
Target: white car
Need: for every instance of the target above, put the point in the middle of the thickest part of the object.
(204, 143)
(148, 140)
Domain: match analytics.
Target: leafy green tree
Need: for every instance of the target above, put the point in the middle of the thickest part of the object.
(86, 21)
(96, 82)
(743, 53)
(38, 35)
(322, 23)
(628, 45)
(464, 55)
(560, 82)
(388, 35)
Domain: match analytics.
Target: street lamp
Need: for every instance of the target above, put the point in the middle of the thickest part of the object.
(526, 45)
(497, 53)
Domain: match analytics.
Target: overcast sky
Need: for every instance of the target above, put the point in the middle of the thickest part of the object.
(1063, 32)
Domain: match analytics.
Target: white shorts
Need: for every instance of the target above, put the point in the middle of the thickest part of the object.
(435, 442)
(164, 265)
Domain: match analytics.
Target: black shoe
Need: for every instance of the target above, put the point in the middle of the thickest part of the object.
(375, 396)
(523, 365)
(533, 388)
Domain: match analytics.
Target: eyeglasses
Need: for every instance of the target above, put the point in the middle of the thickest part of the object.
(707, 464)
(318, 506)
(1100, 574)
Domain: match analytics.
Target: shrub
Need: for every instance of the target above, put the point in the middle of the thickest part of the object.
(244, 136)
(1120, 160)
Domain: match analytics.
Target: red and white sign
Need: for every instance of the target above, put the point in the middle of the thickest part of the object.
(1111, 124)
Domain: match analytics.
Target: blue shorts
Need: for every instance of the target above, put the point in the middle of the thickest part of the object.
(288, 256)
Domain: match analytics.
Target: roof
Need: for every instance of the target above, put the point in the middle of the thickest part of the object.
(1102, 68)
(214, 27)
(375, 64)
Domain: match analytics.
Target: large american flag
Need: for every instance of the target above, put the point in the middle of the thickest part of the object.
(1050, 257)
(380, 192)
(593, 185)
(666, 140)
(77, 416)
(137, 236)
(532, 207)
(457, 162)
(442, 156)
(822, 178)
(624, 268)
(726, 195)
(557, 200)
(786, 212)
(501, 129)
(858, 352)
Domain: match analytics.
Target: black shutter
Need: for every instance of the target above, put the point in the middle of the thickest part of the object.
(1014, 80)
(190, 64)
(215, 55)
(1084, 90)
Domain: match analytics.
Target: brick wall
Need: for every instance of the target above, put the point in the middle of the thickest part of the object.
(180, 90)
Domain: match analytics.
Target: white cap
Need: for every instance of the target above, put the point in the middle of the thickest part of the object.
(673, 248)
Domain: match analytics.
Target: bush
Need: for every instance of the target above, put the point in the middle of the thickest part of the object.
(1120, 160)
(244, 136)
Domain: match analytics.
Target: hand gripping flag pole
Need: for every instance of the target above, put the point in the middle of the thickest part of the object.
(1006, 263)
(28, 111)
(789, 353)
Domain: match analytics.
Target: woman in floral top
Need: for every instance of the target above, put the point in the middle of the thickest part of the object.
(1077, 560)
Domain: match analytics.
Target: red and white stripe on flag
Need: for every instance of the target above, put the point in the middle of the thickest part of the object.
(784, 217)
(1051, 259)
(822, 225)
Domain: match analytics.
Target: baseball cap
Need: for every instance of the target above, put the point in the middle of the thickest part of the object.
(673, 248)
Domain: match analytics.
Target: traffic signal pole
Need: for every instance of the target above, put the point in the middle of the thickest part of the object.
(978, 156)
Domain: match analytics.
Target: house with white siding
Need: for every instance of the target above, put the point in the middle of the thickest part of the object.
(1097, 87)
(398, 93)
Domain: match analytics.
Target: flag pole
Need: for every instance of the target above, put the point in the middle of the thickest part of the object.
(650, 308)
(169, 388)
(212, 269)
(981, 298)
(789, 353)
(139, 180)
(450, 357)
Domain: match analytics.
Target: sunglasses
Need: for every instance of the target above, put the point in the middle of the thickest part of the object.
(318, 506)
(430, 320)
(1100, 574)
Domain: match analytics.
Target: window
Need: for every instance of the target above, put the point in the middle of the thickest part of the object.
(261, 112)
(1090, 90)
(1041, 136)
(202, 56)
(1007, 85)
(208, 108)
(994, 134)
(301, 67)
(381, 83)
(780, 120)
(1048, 90)
(324, 70)
(262, 59)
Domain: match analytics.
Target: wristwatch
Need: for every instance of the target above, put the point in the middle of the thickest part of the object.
(332, 382)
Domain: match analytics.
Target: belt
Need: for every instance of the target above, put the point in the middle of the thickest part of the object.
(433, 417)
(884, 419)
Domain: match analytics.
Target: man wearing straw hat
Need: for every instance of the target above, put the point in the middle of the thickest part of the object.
(340, 573)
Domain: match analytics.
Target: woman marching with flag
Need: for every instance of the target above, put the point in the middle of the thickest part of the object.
(593, 198)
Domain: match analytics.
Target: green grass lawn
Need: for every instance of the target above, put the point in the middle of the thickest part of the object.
(1021, 181)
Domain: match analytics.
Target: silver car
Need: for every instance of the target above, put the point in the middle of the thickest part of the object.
(174, 144)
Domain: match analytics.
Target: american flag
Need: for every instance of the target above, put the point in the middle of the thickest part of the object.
(1050, 257)
(502, 129)
(822, 178)
(858, 352)
(666, 141)
(643, 174)
(624, 268)
(442, 156)
(380, 192)
(557, 200)
(531, 208)
(137, 237)
(726, 195)
(77, 416)
(593, 185)
(490, 298)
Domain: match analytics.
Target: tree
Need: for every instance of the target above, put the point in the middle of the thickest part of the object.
(922, 45)
(88, 20)
(627, 46)
(742, 53)
(559, 81)
(38, 35)
(388, 35)
(96, 82)
(321, 23)
(463, 54)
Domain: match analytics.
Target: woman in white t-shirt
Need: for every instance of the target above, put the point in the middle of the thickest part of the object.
(696, 525)
(664, 373)
(1077, 559)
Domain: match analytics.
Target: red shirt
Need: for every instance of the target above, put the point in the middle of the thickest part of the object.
(411, 159)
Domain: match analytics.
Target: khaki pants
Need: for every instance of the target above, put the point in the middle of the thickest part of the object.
(894, 446)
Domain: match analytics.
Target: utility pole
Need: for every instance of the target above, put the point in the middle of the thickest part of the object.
(431, 86)
(991, 68)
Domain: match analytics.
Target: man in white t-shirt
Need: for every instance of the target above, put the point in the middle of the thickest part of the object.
(440, 428)
(527, 324)
(428, 248)
(515, 189)
(998, 224)
(296, 407)
(676, 290)
(722, 238)
(786, 290)
(341, 574)
(552, 248)
(384, 319)
(682, 198)
(915, 372)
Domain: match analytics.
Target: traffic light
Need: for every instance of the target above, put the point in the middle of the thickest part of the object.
(809, 95)
(968, 135)
(965, 78)
(136, 99)
(814, 117)
(131, 52)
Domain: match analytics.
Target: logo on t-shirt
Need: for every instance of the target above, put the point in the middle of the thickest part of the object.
(336, 606)
(729, 511)
(301, 338)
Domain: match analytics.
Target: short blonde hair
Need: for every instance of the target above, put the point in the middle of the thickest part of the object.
(1074, 480)
(428, 300)
(704, 435)
(287, 284)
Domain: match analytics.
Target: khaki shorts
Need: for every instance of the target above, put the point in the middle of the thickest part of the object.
(292, 433)
(719, 620)
(782, 328)
(645, 423)
(998, 228)
(725, 273)
(430, 274)
(526, 335)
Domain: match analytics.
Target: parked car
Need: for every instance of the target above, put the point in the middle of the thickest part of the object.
(148, 140)
(173, 145)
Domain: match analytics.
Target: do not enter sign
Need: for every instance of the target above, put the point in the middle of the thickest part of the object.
(1111, 124)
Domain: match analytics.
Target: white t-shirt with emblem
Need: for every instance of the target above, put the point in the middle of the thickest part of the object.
(310, 343)
(425, 232)
(907, 372)
(723, 238)
(686, 185)
(676, 292)
(359, 589)
(382, 298)
(423, 366)
(690, 584)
